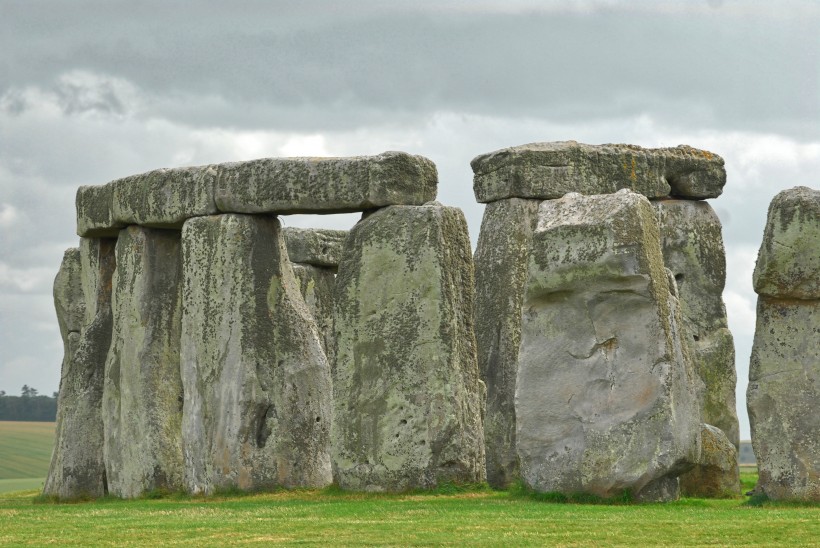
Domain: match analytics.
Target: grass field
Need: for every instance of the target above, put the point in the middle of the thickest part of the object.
(469, 518)
(25, 453)
(478, 517)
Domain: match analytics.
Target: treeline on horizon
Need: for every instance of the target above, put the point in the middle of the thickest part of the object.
(28, 406)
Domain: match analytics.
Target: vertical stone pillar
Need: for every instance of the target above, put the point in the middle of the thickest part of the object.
(500, 280)
(605, 399)
(783, 396)
(407, 395)
(257, 386)
(142, 398)
(77, 469)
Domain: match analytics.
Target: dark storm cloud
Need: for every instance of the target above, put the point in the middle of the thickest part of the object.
(354, 64)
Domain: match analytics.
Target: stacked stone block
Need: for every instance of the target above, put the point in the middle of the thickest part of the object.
(515, 181)
(784, 374)
(197, 340)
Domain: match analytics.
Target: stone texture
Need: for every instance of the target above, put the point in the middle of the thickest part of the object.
(550, 170)
(95, 216)
(77, 469)
(325, 185)
(783, 396)
(407, 396)
(316, 286)
(606, 394)
(500, 280)
(162, 198)
(788, 264)
(315, 246)
(257, 408)
(68, 297)
(142, 396)
(716, 474)
(693, 250)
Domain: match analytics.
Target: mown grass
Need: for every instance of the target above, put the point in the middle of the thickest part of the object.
(25, 449)
(452, 516)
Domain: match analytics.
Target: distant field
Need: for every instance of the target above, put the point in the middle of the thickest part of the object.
(25, 453)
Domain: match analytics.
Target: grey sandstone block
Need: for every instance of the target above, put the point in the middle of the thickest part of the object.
(788, 264)
(407, 395)
(315, 246)
(77, 468)
(142, 395)
(500, 280)
(316, 285)
(325, 185)
(257, 408)
(606, 394)
(550, 170)
(716, 475)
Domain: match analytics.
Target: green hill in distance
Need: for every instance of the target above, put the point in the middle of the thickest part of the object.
(25, 454)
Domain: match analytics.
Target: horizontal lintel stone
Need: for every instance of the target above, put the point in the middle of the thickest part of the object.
(547, 171)
(314, 246)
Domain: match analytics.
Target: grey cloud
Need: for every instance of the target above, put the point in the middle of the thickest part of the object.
(307, 68)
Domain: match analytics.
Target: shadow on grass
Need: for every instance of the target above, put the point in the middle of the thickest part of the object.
(521, 491)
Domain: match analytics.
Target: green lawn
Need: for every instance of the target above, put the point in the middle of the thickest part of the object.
(325, 517)
(25, 453)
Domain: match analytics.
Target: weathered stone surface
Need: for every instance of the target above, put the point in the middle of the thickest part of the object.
(788, 264)
(605, 398)
(783, 396)
(316, 285)
(315, 246)
(501, 278)
(550, 170)
(142, 396)
(257, 408)
(406, 386)
(68, 296)
(162, 198)
(77, 468)
(716, 474)
(325, 185)
(95, 217)
(693, 250)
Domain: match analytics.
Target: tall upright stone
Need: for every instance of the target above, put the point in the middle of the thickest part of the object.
(784, 374)
(77, 468)
(257, 408)
(315, 255)
(142, 397)
(693, 250)
(407, 396)
(500, 280)
(606, 394)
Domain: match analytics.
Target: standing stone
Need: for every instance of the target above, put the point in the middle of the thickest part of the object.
(693, 251)
(69, 301)
(257, 408)
(316, 286)
(501, 278)
(142, 398)
(77, 469)
(784, 374)
(605, 398)
(315, 254)
(547, 171)
(407, 395)
(716, 474)
(325, 185)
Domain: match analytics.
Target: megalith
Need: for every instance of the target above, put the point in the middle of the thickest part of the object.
(77, 468)
(716, 474)
(142, 396)
(257, 407)
(314, 254)
(784, 373)
(605, 396)
(500, 281)
(407, 395)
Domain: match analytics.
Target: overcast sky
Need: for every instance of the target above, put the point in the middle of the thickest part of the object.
(93, 91)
